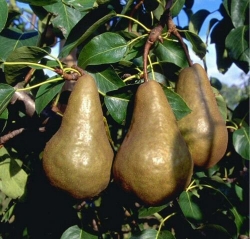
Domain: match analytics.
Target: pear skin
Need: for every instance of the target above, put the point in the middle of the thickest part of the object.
(204, 128)
(153, 161)
(78, 158)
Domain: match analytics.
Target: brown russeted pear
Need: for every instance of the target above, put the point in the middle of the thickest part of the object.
(153, 161)
(78, 158)
(204, 128)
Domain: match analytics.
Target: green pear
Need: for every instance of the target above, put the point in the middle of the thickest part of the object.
(153, 161)
(78, 158)
(203, 129)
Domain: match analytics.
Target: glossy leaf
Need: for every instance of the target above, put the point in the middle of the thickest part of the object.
(39, 2)
(107, 80)
(197, 20)
(177, 7)
(103, 49)
(177, 104)
(13, 177)
(14, 38)
(237, 43)
(152, 233)
(3, 14)
(15, 72)
(149, 211)
(79, 34)
(241, 142)
(75, 232)
(66, 17)
(198, 46)
(171, 51)
(239, 12)
(81, 5)
(6, 93)
(46, 93)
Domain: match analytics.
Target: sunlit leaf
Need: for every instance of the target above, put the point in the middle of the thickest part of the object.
(6, 93)
(75, 232)
(152, 233)
(239, 12)
(241, 142)
(177, 7)
(103, 49)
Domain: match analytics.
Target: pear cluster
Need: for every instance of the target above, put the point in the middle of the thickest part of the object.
(156, 159)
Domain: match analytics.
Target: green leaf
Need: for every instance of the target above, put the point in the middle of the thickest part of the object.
(3, 14)
(14, 38)
(15, 72)
(241, 142)
(214, 231)
(81, 5)
(239, 12)
(237, 43)
(46, 93)
(196, 20)
(107, 79)
(151, 234)
(177, 104)
(198, 46)
(75, 232)
(190, 207)
(6, 93)
(177, 7)
(105, 48)
(79, 33)
(149, 211)
(39, 2)
(12, 177)
(171, 51)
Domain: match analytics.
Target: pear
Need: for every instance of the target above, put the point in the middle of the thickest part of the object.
(153, 162)
(203, 129)
(78, 158)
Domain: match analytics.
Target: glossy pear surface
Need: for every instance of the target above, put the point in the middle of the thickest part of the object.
(153, 161)
(78, 158)
(204, 128)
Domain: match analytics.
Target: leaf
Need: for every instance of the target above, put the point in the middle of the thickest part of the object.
(105, 48)
(107, 79)
(149, 211)
(152, 233)
(213, 231)
(177, 104)
(237, 43)
(221, 103)
(3, 14)
(81, 5)
(14, 38)
(177, 7)
(15, 72)
(241, 142)
(197, 20)
(75, 232)
(79, 33)
(12, 177)
(6, 93)
(198, 46)
(171, 51)
(239, 12)
(38, 2)
(46, 93)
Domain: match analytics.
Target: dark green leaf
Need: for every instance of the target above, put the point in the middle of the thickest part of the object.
(103, 49)
(237, 43)
(198, 46)
(151, 234)
(15, 72)
(14, 38)
(39, 2)
(4, 115)
(177, 104)
(149, 211)
(75, 232)
(239, 12)
(3, 14)
(171, 51)
(177, 7)
(79, 33)
(6, 93)
(66, 17)
(46, 93)
(214, 231)
(197, 19)
(107, 80)
(241, 142)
